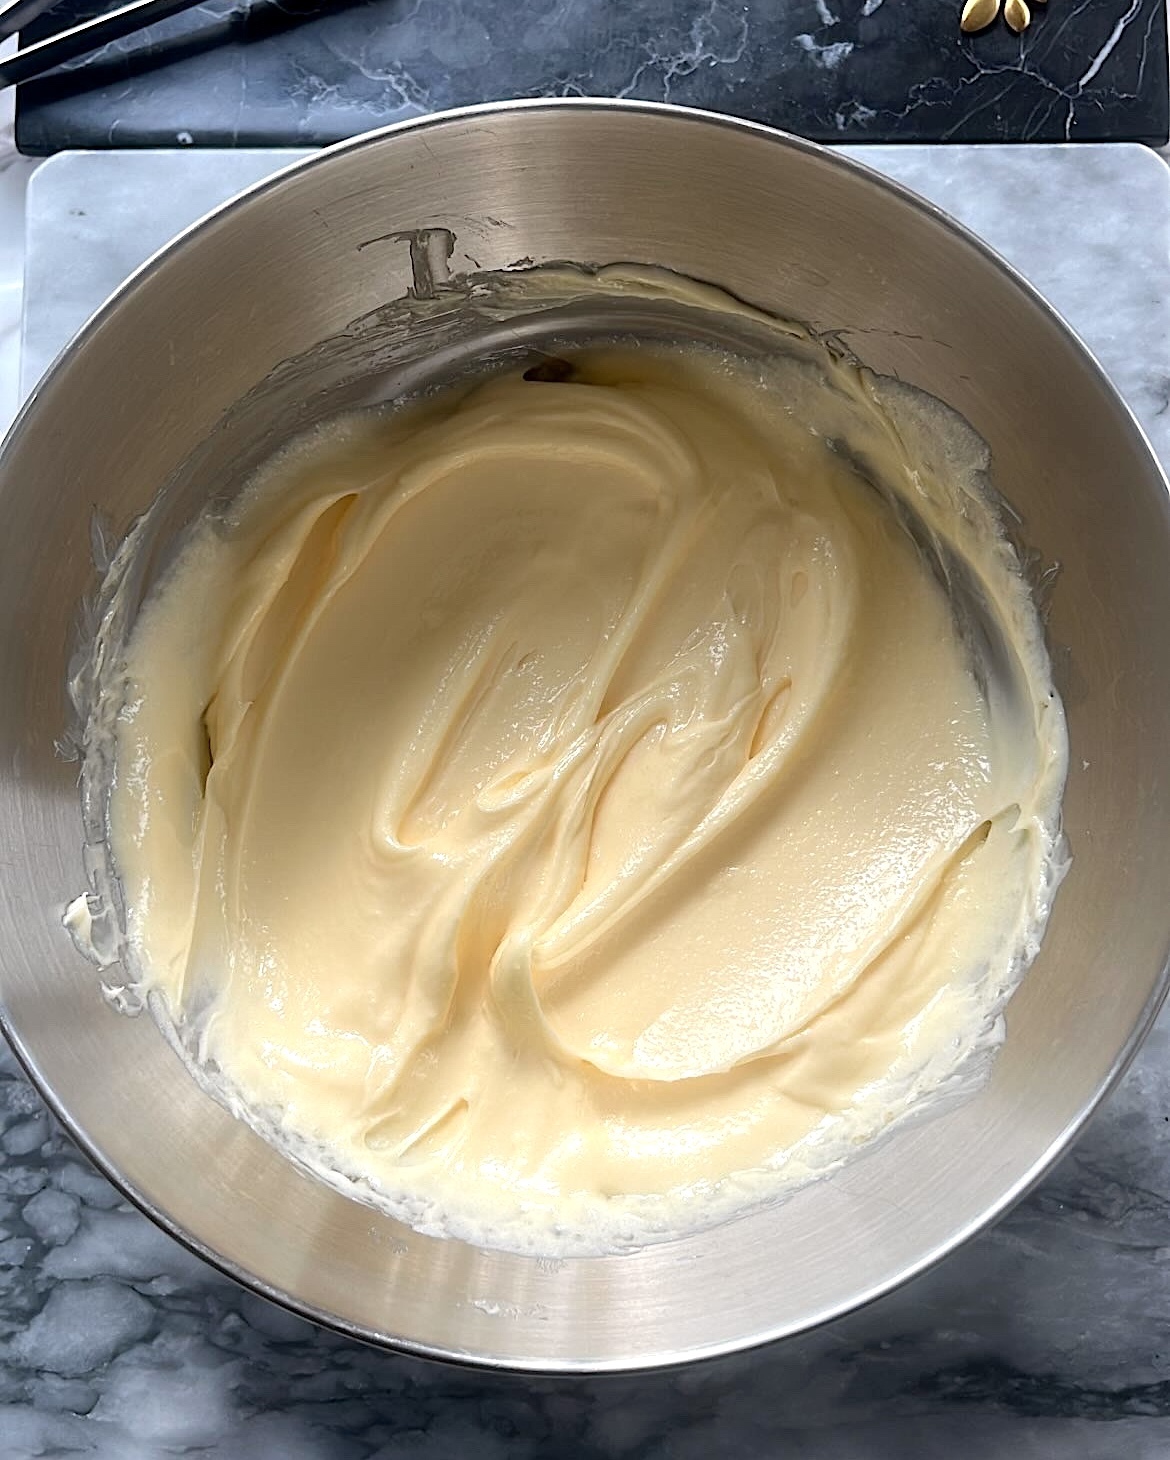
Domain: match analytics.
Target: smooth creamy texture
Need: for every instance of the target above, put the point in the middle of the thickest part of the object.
(605, 823)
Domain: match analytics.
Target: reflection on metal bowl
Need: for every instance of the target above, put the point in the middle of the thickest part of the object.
(183, 379)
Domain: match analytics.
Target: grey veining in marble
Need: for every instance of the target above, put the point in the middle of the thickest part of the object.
(289, 72)
(1047, 1337)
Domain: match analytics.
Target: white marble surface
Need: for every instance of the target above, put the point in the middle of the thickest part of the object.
(1046, 1337)
(15, 172)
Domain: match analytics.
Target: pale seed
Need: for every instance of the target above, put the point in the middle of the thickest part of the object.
(978, 15)
(1017, 14)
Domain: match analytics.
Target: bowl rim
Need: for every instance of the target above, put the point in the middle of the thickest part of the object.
(659, 1359)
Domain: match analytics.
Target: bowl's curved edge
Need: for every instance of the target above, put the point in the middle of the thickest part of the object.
(664, 1359)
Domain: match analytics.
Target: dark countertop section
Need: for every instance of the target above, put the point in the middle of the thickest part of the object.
(288, 72)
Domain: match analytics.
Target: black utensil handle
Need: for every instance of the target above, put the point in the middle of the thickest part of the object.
(16, 14)
(90, 35)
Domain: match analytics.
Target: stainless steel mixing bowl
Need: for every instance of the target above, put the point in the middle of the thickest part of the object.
(787, 226)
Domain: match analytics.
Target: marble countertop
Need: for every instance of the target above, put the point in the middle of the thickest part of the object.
(301, 72)
(1046, 1337)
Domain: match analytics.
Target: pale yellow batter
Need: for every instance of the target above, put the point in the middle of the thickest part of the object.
(574, 810)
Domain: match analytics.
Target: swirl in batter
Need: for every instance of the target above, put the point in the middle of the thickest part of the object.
(574, 809)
